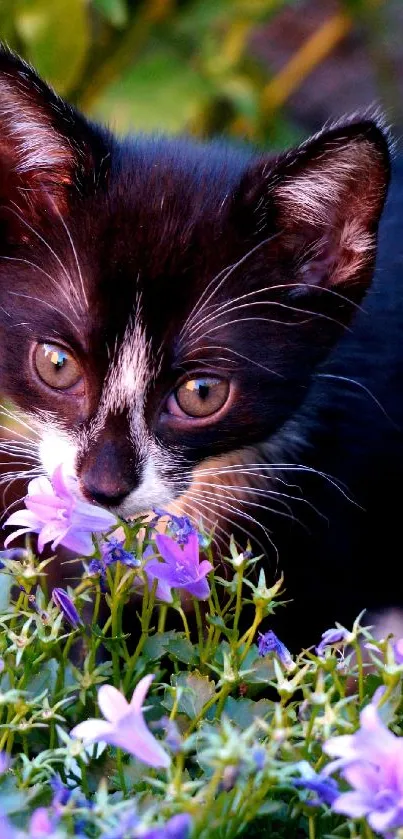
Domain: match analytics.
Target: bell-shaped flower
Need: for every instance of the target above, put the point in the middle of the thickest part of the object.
(124, 726)
(56, 511)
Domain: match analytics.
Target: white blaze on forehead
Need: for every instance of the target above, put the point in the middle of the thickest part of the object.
(130, 372)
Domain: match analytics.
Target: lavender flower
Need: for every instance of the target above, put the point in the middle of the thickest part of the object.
(124, 725)
(269, 643)
(326, 789)
(371, 760)
(397, 648)
(182, 568)
(178, 827)
(41, 824)
(180, 526)
(112, 550)
(5, 762)
(66, 605)
(59, 515)
(331, 638)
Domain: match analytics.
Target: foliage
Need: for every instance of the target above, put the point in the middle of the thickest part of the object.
(175, 65)
(244, 733)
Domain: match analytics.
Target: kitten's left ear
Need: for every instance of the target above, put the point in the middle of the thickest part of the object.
(47, 149)
(323, 202)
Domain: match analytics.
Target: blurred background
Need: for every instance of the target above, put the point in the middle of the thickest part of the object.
(268, 71)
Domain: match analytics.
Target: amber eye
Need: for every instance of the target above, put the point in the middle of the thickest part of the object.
(56, 366)
(203, 396)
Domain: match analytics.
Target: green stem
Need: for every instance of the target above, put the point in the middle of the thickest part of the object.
(360, 668)
(248, 637)
(120, 768)
(238, 604)
(311, 825)
(162, 618)
(184, 621)
(218, 697)
(199, 624)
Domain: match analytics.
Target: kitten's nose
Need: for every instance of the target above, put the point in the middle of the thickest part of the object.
(107, 475)
(110, 495)
(107, 493)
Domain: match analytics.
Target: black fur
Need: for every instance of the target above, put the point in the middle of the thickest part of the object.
(153, 222)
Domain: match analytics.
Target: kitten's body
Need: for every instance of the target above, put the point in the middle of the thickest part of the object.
(158, 271)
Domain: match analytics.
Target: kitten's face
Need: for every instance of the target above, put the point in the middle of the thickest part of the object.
(164, 302)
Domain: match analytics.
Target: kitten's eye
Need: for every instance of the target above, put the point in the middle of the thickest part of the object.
(56, 366)
(200, 397)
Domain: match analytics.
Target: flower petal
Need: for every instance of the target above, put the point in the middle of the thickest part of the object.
(25, 518)
(353, 804)
(199, 589)
(191, 550)
(79, 542)
(112, 703)
(132, 735)
(205, 567)
(140, 692)
(169, 549)
(15, 535)
(50, 533)
(92, 730)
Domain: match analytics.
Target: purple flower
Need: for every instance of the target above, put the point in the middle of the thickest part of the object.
(124, 725)
(113, 551)
(180, 526)
(181, 569)
(397, 648)
(326, 789)
(371, 761)
(41, 824)
(5, 763)
(66, 605)
(269, 643)
(178, 827)
(331, 638)
(259, 757)
(59, 515)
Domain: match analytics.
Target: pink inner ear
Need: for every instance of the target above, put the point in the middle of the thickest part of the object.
(334, 202)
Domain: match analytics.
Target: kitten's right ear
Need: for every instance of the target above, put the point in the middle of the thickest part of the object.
(47, 149)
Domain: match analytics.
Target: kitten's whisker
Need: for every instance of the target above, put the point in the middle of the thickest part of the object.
(38, 235)
(54, 282)
(222, 276)
(363, 387)
(238, 354)
(44, 303)
(230, 521)
(294, 324)
(272, 494)
(278, 287)
(73, 248)
(17, 418)
(220, 504)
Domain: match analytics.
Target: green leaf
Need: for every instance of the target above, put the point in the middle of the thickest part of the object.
(45, 679)
(6, 584)
(181, 649)
(244, 711)
(115, 11)
(196, 691)
(159, 93)
(156, 645)
(56, 37)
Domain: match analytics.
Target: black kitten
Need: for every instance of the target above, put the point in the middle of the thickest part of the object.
(165, 303)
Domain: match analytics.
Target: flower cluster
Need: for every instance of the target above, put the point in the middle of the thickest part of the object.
(143, 719)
